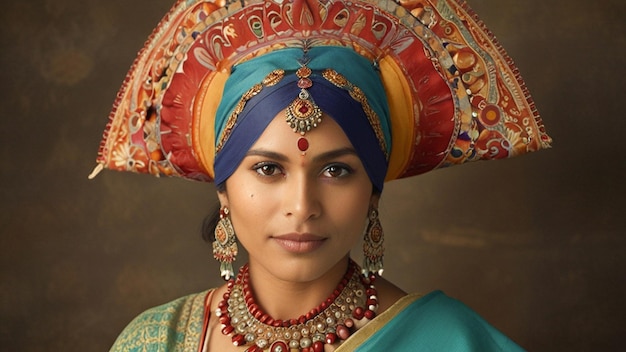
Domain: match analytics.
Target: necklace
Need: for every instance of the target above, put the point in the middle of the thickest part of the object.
(354, 300)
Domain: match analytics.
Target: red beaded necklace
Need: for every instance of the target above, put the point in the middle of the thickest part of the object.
(354, 299)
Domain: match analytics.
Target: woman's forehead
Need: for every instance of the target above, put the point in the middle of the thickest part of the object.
(280, 137)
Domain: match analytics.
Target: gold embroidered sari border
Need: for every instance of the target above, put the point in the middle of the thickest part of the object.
(366, 332)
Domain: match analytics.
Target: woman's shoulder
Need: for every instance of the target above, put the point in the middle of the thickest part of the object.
(388, 293)
(445, 309)
(174, 326)
(441, 321)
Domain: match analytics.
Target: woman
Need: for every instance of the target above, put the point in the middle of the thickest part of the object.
(299, 111)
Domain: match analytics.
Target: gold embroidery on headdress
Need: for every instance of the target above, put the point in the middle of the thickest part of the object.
(357, 94)
(271, 79)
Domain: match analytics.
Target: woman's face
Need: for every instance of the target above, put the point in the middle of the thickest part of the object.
(299, 213)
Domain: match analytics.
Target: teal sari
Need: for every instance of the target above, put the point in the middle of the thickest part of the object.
(434, 322)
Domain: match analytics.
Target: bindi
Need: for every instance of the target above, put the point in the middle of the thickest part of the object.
(303, 144)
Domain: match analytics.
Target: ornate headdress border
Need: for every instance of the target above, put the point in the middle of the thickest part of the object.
(454, 94)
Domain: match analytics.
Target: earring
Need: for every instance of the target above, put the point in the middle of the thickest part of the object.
(225, 245)
(373, 250)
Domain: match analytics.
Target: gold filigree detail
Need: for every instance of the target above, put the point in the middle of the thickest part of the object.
(271, 79)
(357, 94)
(303, 114)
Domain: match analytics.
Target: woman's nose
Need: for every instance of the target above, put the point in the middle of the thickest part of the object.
(302, 198)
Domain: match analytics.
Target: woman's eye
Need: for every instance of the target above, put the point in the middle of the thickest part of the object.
(337, 171)
(267, 169)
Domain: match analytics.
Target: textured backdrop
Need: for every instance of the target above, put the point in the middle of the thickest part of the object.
(543, 260)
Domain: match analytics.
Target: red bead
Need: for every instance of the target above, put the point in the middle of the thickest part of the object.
(358, 313)
(224, 319)
(227, 329)
(371, 302)
(331, 338)
(253, 309)
(239, 340)
(302, 319)
(279, 346)
(342, 332)
(318, 346)
(369, 314)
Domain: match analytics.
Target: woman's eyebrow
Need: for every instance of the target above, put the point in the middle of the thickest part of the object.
(268, 154)
(332, 154)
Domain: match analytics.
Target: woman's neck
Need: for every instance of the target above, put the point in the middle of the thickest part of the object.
(284, 299)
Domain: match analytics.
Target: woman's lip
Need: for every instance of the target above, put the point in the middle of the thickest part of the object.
(299, 237)
(299, 242)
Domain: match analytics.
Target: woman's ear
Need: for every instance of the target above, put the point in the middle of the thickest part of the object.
(222, 196)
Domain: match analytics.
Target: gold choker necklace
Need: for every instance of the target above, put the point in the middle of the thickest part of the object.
(353, 302)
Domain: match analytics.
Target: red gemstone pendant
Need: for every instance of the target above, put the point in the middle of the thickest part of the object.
(305, 83)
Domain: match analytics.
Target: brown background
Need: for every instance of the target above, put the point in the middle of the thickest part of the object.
(534, 244)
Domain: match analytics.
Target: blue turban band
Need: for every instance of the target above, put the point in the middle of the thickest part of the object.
(260, 110)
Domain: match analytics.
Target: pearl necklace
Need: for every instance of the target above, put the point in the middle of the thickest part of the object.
(353, 302)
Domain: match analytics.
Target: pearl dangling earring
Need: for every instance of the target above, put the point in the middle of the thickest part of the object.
(225, 245)
(373, 250)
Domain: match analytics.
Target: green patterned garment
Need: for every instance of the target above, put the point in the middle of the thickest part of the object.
(175, 326)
